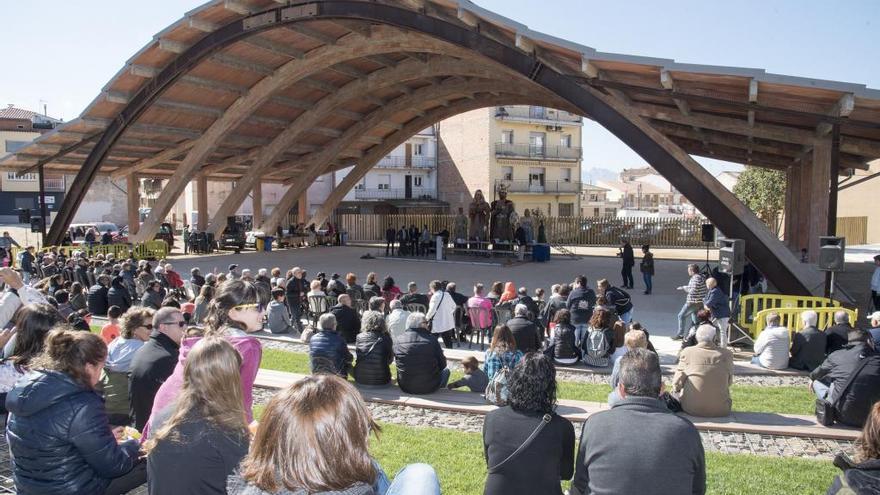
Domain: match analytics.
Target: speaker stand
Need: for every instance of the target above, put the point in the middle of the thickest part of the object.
(707, 270)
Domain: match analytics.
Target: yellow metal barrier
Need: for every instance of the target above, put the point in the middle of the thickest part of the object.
(750, 305)
(790, 318)
(151, 249)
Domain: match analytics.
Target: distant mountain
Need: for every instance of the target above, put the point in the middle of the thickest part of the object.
(591, 175)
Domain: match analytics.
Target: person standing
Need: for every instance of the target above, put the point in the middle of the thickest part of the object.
(441, 313)
(580, 303)
(875, 284)
(716, 302)
(626, 254)
(390, 235)
(26, 263)
(647, 268)
(696, 291)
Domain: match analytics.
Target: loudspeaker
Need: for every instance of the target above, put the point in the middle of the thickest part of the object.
(832, 251)
(707, 232)
(731, 256)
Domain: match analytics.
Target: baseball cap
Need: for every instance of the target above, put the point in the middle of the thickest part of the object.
(874, 315)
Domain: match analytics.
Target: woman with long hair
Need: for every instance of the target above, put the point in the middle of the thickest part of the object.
(495, 292)
(201, 437)
(202, 301)
(390, 291)
(509, 293)
(598, 345)
(861, 474)
(58, 433)
(562, 339)
(77, 297)
(549, 457)
(236, 310)
(502, 352)
(313, 439)
(32, 324)
(372, 285)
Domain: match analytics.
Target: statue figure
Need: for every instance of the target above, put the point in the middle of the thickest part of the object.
(528, 226)
(460, 226)
(478, 213)
(502, 208)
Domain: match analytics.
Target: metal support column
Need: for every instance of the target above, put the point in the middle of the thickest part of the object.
(43, 213)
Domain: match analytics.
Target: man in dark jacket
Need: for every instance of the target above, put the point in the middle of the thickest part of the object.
(808, 345)
(348, 323)
(297, 288)
(837, 333)
(413, 296)
(457, 297)
(626, 254)
(421, 365)
(390, 235)
(717, 304)
(98, 301)
(153, 363)
(118, 294)
(374, 352)
(196, 280)
(580, 302)
(524, 330)
(327, 350)
(831, 376)
(668, 447)
(154, 295)
(526, 300)
(107, 238)
(618, 299)
(26, 262)
(402, 241)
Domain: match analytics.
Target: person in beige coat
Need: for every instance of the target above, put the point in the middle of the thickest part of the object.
(703, 376)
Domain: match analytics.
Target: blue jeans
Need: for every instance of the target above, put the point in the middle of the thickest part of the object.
(689, 310)
(413, 479)
(626, 317)
(580, 331)
(648, 278)
(444, 377)
(821, 390)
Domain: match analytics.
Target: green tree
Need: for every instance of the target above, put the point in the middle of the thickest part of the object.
(763, 191)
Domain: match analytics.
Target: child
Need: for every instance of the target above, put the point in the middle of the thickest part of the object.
(278, 316)
(111, 330)
(474, 378)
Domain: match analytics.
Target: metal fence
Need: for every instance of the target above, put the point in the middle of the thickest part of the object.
(854, 229)
(538, 152)
(570, 231)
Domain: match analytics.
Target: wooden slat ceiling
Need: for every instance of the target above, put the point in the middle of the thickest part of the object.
(735, 114)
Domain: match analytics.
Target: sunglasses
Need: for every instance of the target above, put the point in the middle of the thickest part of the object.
(180, 324)
(258, 306)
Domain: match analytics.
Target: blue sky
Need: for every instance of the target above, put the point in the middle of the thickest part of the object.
(62, 52)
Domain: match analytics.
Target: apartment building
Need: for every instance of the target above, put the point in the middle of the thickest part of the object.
(595, 202)
(533, 152)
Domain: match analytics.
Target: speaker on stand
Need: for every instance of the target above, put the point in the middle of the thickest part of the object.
(707, 235)
(832, 254)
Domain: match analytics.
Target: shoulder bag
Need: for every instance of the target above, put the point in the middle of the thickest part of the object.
(827, 410)
(545, 420)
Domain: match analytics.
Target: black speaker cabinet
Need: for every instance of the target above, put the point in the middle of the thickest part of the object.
(707, 232)
(832, 251)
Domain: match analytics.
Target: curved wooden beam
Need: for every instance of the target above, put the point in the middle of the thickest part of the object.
(387, 40)
(406, 71)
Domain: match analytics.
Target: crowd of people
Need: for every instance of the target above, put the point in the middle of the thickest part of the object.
(176, 362)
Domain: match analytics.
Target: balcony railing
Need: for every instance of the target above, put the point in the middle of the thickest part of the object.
(56, 184)
(533, 152)
(536, 187)
(542, 114)
(401, 162)
(415, 193)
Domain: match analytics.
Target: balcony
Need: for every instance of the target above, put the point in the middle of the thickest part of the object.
(538, 115)
(532, 152)
(55, 184)
(379, 194)
(420, 162)
(534, 187)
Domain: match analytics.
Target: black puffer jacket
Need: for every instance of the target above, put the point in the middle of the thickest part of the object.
(419, 360)
(329, 354)
(97, 300)
(564, 342)
(374, 357)
(60, 439)
(853, 408)
(118, 295)
(863, 477)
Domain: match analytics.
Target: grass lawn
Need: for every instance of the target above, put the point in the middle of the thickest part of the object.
(783, 400)
(458, 459)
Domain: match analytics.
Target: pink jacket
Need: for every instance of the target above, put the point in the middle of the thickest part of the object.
(482, 302)
(251, 354)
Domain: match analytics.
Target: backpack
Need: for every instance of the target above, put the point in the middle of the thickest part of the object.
(496, 392)
(597, 349)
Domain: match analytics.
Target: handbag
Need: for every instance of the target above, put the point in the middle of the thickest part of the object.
(826, 410)
(545, 420)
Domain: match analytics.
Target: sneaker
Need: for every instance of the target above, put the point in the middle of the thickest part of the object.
(677, 337)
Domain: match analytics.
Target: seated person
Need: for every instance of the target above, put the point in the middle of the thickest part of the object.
(832, 375)
(474, 378)
(808, 345)
(562, 340)
(634, 339)
(374, 351)
(861, 474)
(397, 318)
(874, 318)
(327, 350)
(111, 330)
(771, 347)
(421, 365)
(348, 322)
(837, 333)
(413, 296)
(278, 315)
(525, 331)
(703, 376)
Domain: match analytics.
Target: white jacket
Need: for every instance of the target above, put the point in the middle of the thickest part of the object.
(772, 348)
(9, 304)
(441, 312)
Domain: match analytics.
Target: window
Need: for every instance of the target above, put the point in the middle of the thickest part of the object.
(565, 175)
(417, 149)
(536, 143)
(595, 212)
(507, 137)
(536, 177)
(566, 209)
(10, 176)
(507, 173)
(536, 112)
(565, 141)
(13, 146)
(384, 181)
(417, 181)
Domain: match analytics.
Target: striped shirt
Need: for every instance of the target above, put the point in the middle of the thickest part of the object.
(696, 289)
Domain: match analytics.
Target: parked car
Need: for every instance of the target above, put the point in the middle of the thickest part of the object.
(119, 237)
(234, 236)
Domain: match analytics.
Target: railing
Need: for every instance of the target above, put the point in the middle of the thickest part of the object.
(415, 193)
(547, 187)
(536, 113)
(55, 184)
(854, 229)
(403, 162)
(538, 152)
(567, 231)
(155, 249)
